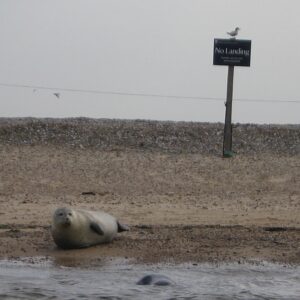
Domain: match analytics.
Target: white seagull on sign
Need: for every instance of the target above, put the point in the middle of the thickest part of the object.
(234, 32)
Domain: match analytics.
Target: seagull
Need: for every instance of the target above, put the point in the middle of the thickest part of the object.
(234, 32)
(57, 95)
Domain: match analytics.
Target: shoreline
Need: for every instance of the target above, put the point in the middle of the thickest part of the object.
(146, 244)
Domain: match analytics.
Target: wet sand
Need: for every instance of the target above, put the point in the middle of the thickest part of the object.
(181, 207)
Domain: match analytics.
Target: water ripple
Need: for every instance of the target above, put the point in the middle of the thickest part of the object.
(114, 282)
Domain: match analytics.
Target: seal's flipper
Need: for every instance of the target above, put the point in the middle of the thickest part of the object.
(122, 227)
(95, 227)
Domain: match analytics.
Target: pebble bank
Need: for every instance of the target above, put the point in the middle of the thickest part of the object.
(163, 136)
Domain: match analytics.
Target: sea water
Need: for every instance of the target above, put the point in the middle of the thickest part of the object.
(117, 280)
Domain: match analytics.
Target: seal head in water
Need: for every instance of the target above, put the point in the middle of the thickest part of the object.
(155, 279)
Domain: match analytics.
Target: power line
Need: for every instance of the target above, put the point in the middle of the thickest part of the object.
(110, 92)
(143, 94)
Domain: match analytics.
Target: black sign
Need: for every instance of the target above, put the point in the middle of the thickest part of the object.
(232, 52)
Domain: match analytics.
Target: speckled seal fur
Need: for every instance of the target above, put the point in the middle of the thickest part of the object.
(74, 228)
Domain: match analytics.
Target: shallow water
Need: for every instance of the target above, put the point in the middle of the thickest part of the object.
(117, 280)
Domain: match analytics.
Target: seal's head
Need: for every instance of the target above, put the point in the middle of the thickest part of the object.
(63, 217)
(155, 279)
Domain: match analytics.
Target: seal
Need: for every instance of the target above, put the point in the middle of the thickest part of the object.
(155, 279)
(83, 228)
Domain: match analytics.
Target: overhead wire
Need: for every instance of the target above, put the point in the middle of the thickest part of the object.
(137, 94)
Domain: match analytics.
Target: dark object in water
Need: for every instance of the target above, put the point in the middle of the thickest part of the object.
(155, 279)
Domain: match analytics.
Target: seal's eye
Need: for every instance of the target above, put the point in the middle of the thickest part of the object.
(61, 214)
(70, 214)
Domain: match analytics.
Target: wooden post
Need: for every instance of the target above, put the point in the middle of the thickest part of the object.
(227, 143)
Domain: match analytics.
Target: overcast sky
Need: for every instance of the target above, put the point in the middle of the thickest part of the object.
(151, 47)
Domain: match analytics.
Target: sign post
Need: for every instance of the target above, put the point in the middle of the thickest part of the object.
(227, 142)
(230, 52)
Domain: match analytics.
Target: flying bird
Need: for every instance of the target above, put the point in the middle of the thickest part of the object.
(234, 32)
(57, 95)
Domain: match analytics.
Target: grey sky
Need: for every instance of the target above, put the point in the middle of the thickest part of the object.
(149, 47)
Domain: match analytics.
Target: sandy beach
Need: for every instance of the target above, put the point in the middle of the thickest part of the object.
(181, 199)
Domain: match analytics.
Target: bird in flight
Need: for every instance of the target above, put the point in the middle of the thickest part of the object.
(57, 95)
(234, 32)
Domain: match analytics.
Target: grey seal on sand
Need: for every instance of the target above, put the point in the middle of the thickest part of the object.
(83, 228)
